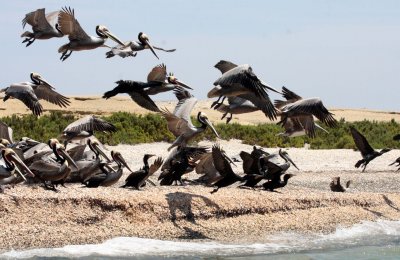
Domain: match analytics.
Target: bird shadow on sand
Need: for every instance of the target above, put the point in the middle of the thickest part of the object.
(181, 203)
(390, 203)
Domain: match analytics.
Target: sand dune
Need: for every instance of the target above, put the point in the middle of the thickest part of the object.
(97, 105)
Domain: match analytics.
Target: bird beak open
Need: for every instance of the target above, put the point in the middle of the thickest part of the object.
(183, 84)
(21, 165)
(151, 48)
(212, 128)
(67, 157)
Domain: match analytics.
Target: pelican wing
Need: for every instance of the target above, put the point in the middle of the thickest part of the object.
(90, 123)
(45, 165)
(70, 26)
(25, 93)
(76, 153)
(290, 95)
(265, 105)
(312, 106)
(158, 73)
(176, 125)
(52, 18)
(247, 162)
(37, 20)
(185, 104)
(6, 132)
(181, 93)
(225, 66)
(361, 142)
(143, 100)
(220, 162)
(125, 86)
(47, 93)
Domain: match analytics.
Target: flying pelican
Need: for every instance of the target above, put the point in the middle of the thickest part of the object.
(109, 176)
(54, 171)
(130, 48)
(179, 122)
(138, 178)
(43, 26)
(222, 164)
(30, 93)
(85, 127)
(240, 79)
(368, 153)
(297, 114)
(157, 81)
(337, 187)
(78, 39)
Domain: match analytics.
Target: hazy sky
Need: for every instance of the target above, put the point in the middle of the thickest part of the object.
(345, 52)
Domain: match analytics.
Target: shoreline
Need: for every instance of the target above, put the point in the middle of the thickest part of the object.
(85, 216)
(31, 217)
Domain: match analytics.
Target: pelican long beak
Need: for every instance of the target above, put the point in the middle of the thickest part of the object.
(180, 83)
(151, 48)
(67, 157)
(95, 146)
(42, 80)
(122, 160)
(113, 37)
(270, 88)
(21, 165)
(290, 160)
(212, 128)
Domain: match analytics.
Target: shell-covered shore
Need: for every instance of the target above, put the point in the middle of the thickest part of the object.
(32, 217)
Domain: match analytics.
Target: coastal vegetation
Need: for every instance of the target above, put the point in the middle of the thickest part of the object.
(134, 129)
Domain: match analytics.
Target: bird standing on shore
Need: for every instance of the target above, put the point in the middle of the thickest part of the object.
(368, 153)
(43, 26)
(138, 178)
(78, 39)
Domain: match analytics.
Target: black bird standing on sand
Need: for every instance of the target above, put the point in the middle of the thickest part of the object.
(337, 187)
(368, 153)
(138, 178)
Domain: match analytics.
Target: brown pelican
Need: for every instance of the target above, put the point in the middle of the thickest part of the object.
(43, 26)
(337, 187)
(222, 164)
(85, 127)
(179, 122)
(240, 79)
(109, 176)
(297, 114)
(131, 48)
(368, 153)
(253, 166)
(11, 172)
(157, 81)
(78, 39)
(138, 178)
(30, 93)
(6, 133)
(54, 171)
(86, 168)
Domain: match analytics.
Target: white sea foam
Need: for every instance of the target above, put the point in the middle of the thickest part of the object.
(367, 233)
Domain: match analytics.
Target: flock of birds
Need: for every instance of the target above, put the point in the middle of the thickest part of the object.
(81, 157)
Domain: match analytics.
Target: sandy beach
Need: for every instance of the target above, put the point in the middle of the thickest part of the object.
(99, 106)
(32, 217)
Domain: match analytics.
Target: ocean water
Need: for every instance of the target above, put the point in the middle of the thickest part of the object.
(368, 240)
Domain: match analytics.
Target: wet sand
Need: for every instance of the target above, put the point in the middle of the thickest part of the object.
(33, 217)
